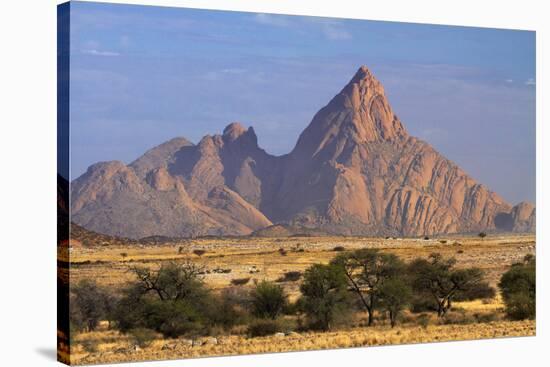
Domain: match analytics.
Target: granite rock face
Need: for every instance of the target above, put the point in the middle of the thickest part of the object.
(354, 170)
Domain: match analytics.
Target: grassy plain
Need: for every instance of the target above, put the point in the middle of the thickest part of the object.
(226, 259)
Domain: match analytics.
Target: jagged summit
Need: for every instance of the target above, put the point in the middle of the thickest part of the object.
(362, 73)
(234, 130)
(360, 113)
(354, 170)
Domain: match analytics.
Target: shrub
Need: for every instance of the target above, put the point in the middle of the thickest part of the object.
(143, 337)
(230, 309)
(89, 346)
(482, 235)
(457, 318)
(423, 320)
(172, 301)
(199, 252)
(240, 281)
(282, 251)
(443, 241)
(339, 248)
(263, 327)
(518, 287)
(290, 276)
(268, 300)
(426, 238)
(89, 304)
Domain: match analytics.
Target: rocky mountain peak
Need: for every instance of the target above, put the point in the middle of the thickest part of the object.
(354, 170)
(359, 114)
(233, 131)
(236, 132)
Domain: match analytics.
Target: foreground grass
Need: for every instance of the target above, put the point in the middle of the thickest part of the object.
(110, 346)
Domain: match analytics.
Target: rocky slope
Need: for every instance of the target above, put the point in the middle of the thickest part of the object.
(354, 170)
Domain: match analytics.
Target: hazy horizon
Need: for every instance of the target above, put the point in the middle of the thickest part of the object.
(141, 75)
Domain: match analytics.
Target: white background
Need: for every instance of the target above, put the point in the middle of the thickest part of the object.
(28, 182)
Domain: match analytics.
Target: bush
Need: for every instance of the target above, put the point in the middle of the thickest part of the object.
(339, 249)
(457, 318)
(175, 303)
(290, 276)
(199, 252)
(230, 308)
(518, 287)
(263, 327)
(240, 281)
(422, 303)
(143, 337)
(268, 300)
(282, 251)
(89, 304)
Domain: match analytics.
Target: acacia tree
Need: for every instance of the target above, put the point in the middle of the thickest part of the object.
(324, 295)
(395, 294)
(171, 300)
(366, 270)
(171, 281)
(437, 278)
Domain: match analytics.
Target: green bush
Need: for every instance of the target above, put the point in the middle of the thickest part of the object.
(240, 281)
(290, 276)
(263, 327)
(268, 300)
(89, 304)
(518, 287)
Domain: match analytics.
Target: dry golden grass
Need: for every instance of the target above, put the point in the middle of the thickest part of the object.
(259, 258)
(113, 347)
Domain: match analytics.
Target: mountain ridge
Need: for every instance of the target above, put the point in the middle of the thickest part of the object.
(354, 170)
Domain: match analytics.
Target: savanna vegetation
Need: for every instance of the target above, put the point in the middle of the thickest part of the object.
(160, 302)
(174, 301)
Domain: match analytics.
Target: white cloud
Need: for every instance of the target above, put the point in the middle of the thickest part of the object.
(509, 80)
(100, 53)
(269, 19)
(234, 71)
(530, 81)
(335, 34)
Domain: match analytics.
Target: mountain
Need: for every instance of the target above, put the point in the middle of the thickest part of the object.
(354, 170)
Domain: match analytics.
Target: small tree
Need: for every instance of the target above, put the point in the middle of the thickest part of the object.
(437, 279)
(482, 235)
(268, 300)
(518, 287)
(324, 298)
(172, 300)
(395, 294)
(365, 271)
(88, 305)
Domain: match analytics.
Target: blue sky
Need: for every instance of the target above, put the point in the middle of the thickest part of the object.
(141, 75)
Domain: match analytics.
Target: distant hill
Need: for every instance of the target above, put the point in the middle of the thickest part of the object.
(355, 170)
